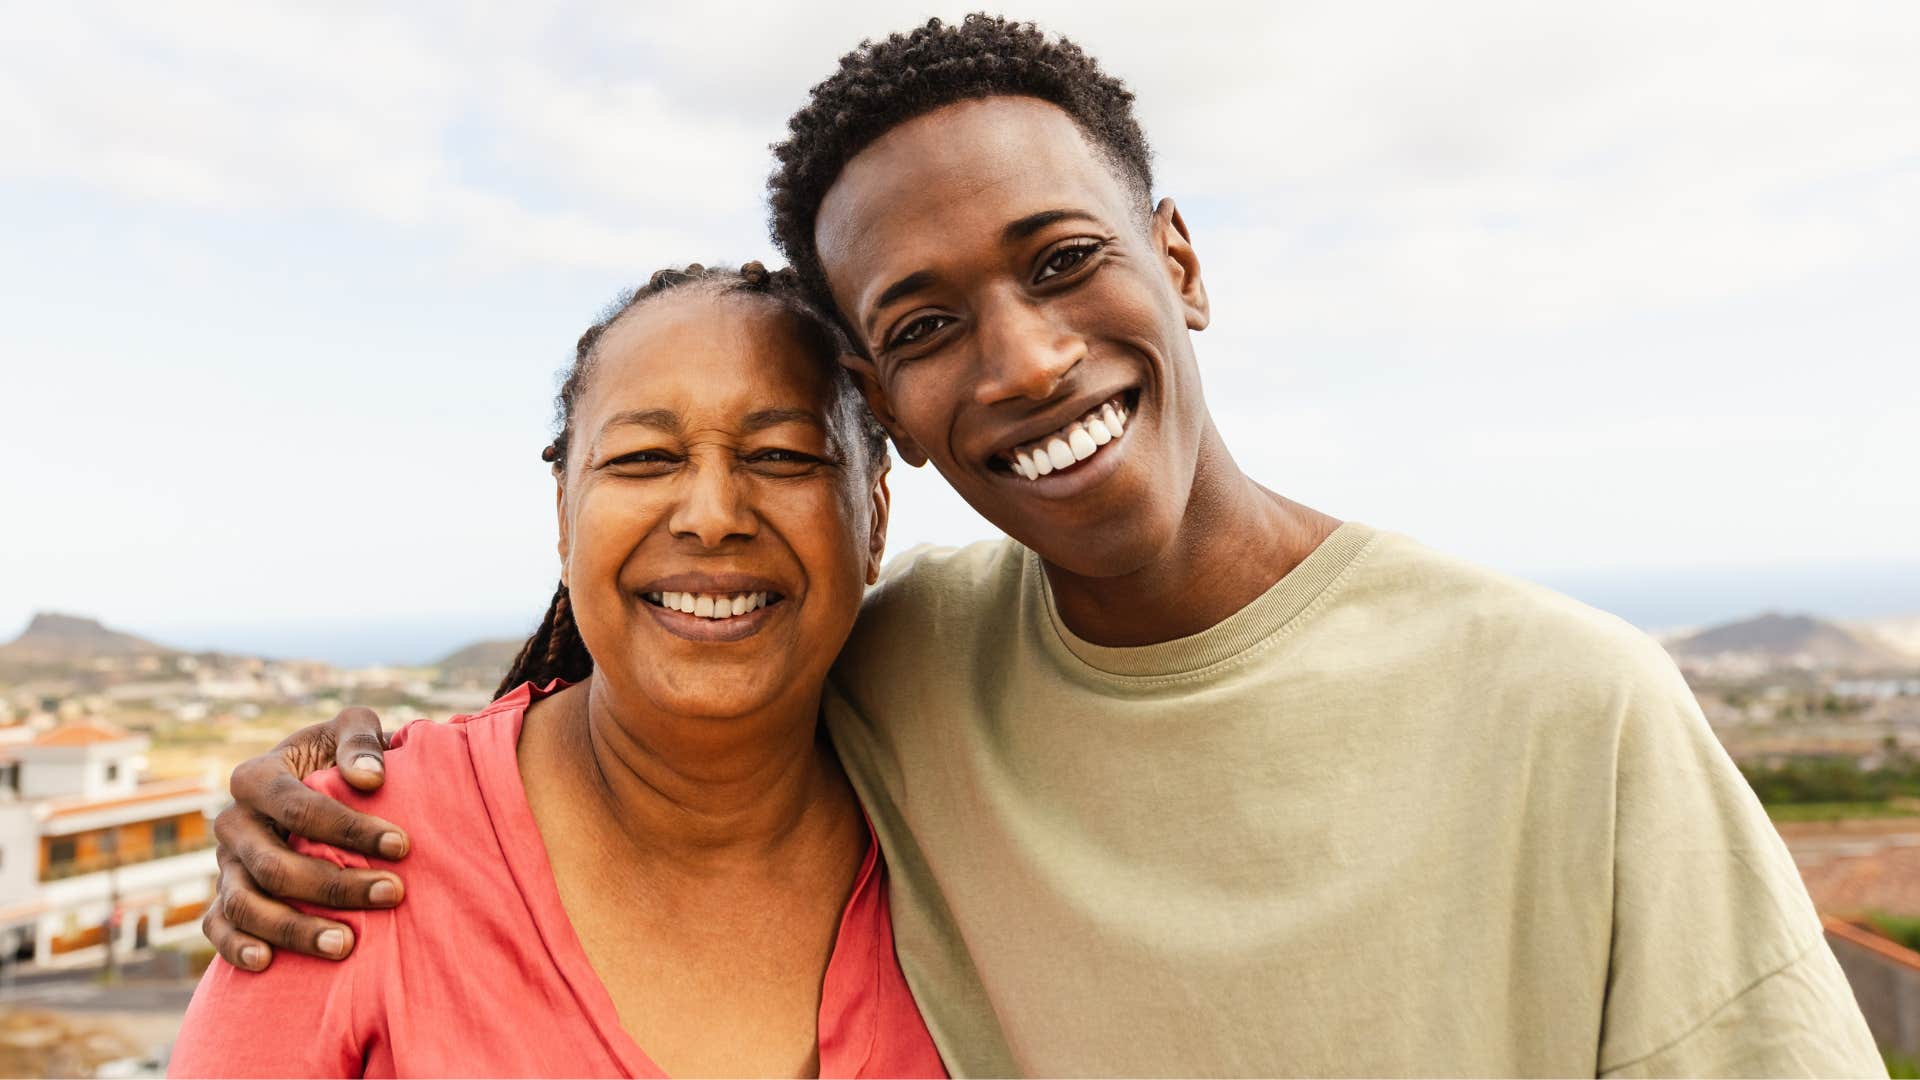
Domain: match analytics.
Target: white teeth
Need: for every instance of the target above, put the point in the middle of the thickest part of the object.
(710, 605)
(1075, 443)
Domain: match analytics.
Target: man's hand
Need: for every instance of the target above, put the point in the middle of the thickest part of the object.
(256, 865)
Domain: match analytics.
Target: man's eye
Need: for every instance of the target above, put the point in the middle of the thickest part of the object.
(1064, 259)
(918, 330)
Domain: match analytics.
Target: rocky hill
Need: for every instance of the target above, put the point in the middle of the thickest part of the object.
(482, 663)
(55, 638)
(1775, 639)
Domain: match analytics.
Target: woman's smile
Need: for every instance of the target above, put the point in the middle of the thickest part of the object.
(714, 607)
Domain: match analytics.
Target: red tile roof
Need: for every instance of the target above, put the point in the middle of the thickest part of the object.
(81, 733)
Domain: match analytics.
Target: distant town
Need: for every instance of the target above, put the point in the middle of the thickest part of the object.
(114, 752)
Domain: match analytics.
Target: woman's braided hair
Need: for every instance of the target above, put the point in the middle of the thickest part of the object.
(555, 651)
(883, 84)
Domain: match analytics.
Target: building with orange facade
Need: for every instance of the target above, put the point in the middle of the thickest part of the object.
(89, 851)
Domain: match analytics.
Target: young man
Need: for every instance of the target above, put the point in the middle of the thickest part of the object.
(1187, 778)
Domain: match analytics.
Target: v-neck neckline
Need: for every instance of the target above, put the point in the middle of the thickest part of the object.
(843, 1036)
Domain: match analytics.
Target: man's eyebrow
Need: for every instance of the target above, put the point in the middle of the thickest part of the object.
(766, 418)
(906, 286)
(1033, 223)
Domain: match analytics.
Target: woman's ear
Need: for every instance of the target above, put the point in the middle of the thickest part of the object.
(882, 507)
(868, 379)
(560, 512)
(1181, 263)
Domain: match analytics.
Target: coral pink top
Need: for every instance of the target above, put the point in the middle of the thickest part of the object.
(478, 971)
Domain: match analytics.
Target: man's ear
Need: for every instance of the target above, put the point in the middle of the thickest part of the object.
(868, 378)
(560, 512)
(882, 508)
(1182, 264)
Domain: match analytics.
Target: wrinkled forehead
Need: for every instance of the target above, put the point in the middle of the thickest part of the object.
(707, 354)
(951, 180)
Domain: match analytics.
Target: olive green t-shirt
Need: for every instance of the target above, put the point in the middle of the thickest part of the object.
(1399, 815)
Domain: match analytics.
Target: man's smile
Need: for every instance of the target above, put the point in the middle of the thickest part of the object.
(1074, 456)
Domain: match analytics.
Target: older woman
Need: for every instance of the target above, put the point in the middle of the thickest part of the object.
(676, 875)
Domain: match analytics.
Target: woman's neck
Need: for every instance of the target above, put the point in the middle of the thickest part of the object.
(691, 792)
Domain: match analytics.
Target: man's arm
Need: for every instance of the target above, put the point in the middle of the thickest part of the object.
(1720, 966)
(257, 868)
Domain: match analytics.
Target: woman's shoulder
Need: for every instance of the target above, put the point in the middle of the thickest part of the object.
(435, 777)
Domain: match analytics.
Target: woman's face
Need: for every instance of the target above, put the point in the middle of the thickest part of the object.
(708, 471)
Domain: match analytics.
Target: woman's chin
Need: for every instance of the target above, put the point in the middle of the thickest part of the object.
(718, 692)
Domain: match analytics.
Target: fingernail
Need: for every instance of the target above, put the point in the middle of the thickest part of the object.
(253, 957)
(384, 892)
(392, 845)
(333, 942)
(370, 763)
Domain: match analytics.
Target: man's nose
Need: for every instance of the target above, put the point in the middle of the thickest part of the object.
(715, 505)
(1024, 353)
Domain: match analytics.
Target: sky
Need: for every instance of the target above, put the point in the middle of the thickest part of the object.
(1618, 296)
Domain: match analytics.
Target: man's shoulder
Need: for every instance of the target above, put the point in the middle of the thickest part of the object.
(1503, 626)
(929, 589)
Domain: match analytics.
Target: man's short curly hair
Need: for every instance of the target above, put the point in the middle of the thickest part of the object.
(883, 84)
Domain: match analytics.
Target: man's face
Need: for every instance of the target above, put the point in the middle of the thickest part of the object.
(1018, 304)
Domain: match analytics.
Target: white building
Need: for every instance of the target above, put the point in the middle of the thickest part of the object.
(85, 844)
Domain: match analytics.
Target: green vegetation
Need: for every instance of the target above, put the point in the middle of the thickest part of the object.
(1835, 780)
(1839, 811)
(1900, 1066)
(1898, 928)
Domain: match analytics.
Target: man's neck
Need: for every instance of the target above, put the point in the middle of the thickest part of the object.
(1235, 541)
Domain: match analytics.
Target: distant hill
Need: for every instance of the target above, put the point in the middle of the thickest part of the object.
(481, 663)
(56, 638)
(1789, 639)
(1902, 635)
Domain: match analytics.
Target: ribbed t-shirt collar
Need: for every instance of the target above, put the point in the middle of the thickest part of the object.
(1264, 616)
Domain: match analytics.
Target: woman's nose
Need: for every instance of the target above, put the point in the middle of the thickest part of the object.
(1023, 353)
(714, 506)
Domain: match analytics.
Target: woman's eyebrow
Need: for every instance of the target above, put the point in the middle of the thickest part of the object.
(660, 419)
(766, 418)
(664, 419)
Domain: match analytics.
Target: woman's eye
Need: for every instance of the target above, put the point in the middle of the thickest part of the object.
(1063, 260)
(643, 457)
(918, 330)
(783, 462)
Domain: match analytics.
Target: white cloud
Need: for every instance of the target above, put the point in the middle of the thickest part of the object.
(1520, 278)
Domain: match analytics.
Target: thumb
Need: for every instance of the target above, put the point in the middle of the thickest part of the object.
(360, 748)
